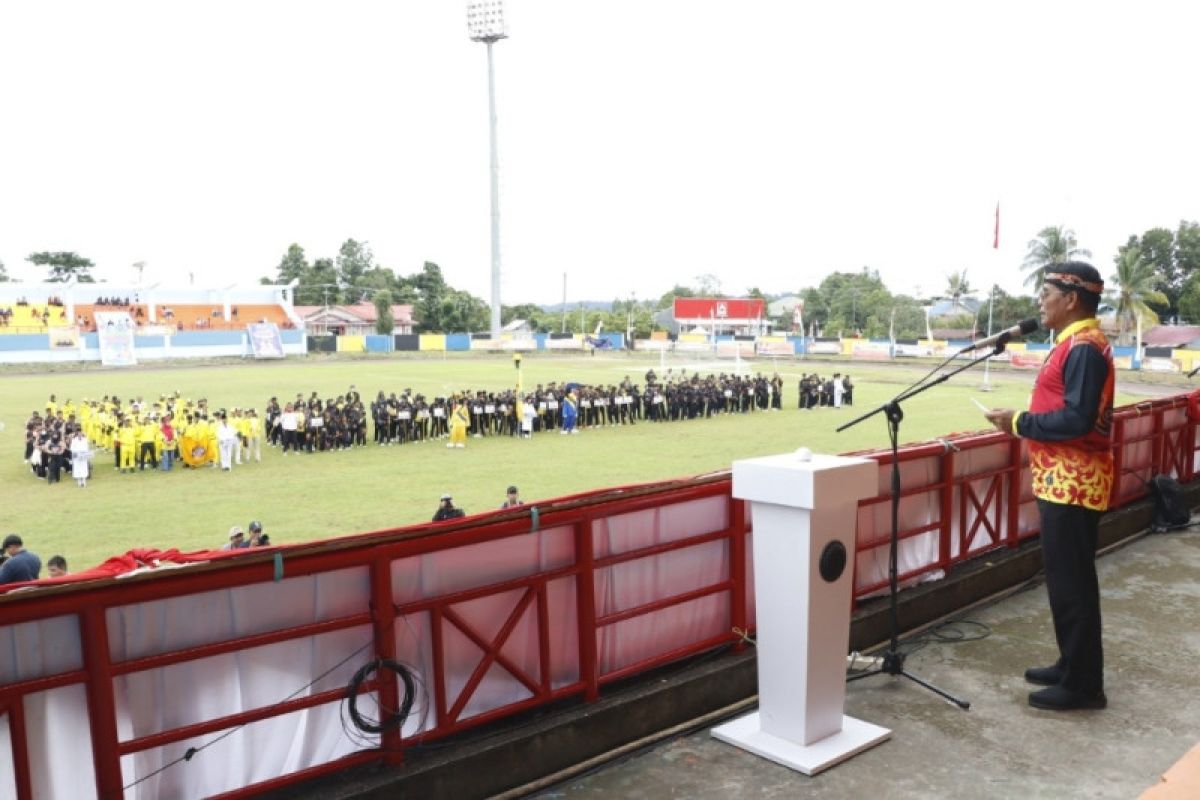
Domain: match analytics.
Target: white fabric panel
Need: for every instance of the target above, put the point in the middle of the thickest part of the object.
(635, 639)
(875, 522)
(633, 583)
(564, 632)
(144, 629)
(447, 571)
(156, 700)
(60, 743)
(257, 752)
(414, 647)
(37, 649)
(644, 580)
(8, 781)
(624, 532)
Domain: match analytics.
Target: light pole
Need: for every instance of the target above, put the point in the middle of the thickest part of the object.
(485, 23)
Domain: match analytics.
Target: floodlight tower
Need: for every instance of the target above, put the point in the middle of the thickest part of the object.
(485, 23)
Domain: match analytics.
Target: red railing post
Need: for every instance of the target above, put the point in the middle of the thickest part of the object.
(947, 507)
(585, 606)
(20, 747)
(1157, 445)
(738, 615)
(1013, 521)
(102, 704)
(1116, 497)
(383, 624)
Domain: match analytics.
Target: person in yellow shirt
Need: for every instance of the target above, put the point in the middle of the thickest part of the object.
(254, 435)
(459, 421)
(147, 434)
(126, 440)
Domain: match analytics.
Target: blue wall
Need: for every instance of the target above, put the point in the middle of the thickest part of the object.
(202, 338)
(458, 341)
(379, 344)
(25, 341)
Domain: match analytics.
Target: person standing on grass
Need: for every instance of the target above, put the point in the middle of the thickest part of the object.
(81, 458)
(1069, 428)
(226, 438)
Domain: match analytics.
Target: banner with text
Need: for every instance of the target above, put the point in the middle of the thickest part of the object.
(264, 340)
(115, 332)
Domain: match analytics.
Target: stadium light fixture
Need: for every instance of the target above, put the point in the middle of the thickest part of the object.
(485, 23)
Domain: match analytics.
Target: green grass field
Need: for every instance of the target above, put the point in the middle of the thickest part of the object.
(325, 495)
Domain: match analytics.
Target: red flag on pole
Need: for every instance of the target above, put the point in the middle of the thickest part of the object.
(996, 235)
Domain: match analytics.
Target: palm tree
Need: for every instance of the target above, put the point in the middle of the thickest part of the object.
(1053, 245)
(1134, 284)
(957, 286)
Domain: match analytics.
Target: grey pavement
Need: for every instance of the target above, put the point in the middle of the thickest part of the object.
(1001, 748)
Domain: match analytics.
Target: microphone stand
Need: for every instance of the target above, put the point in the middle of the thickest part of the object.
(893, 659)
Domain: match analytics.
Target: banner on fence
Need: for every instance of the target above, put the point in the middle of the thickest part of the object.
(775, 347)
(871, 351)
(154, 330)
(64, 338)
(830, 347)
(264, 340)
(114, 329)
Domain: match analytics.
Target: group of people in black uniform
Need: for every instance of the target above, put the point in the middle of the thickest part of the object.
(316, 424)
(834, 391)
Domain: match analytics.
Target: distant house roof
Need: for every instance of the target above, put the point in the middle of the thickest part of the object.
(1171, 335)
(357, 312)
(968, 306)
(783, 306)
(516, 325)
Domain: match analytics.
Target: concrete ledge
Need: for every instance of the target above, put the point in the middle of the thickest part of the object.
(518, 751)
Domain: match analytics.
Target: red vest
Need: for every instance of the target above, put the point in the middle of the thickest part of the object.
(1076, 471)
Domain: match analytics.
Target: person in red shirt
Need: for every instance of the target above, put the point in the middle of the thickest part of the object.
(1068, 429)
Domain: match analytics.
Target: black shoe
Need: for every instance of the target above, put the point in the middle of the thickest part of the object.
(1057, 698)
(1044, 676)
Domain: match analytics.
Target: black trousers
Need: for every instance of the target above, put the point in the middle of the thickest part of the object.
(1069, 536)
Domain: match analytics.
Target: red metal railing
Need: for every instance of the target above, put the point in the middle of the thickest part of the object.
(961, 503)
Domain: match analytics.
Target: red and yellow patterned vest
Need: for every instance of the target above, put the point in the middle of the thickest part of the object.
(1076, 471)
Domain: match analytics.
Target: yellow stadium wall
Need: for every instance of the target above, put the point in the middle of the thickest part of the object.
(351, 344)
(1187, 359)
(433, 341)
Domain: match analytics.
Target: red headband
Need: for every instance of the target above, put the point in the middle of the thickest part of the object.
(1074, 281)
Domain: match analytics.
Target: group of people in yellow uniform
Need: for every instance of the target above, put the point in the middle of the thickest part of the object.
(157, 433)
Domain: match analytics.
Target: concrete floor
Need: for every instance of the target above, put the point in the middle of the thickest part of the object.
(1001, 748)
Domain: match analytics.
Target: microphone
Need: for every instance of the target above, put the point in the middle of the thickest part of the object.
(1001, 338)
(1193, 372)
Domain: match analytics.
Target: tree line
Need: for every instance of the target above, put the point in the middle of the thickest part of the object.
(1156, 276)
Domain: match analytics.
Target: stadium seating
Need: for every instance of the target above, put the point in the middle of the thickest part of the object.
(199, 317)
(31, 318)
(190, 317)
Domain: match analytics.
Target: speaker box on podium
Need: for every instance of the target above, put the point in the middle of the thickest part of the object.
(804, 511)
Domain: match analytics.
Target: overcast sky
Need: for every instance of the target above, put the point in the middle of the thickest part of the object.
(642, 143)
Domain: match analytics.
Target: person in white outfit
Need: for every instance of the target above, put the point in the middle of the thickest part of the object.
(226, 438)
(81, 455)
(838, 390)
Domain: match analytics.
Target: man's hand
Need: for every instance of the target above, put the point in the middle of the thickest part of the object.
(1001, 418)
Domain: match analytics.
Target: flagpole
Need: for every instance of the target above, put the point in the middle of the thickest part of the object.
(987, 387)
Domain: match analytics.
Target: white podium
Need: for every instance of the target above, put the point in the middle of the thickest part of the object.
(804, 516)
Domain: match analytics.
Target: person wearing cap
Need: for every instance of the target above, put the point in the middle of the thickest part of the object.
(257, 537)
(1068, 428)
(19, 565)
(513, 498)
(447, 510)
(237, 539)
